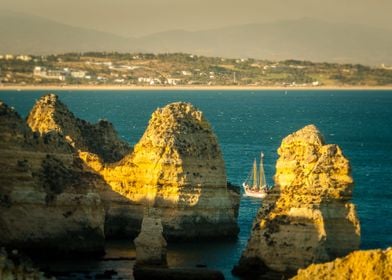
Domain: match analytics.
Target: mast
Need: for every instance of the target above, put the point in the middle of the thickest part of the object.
(255, 174)
(262, 181)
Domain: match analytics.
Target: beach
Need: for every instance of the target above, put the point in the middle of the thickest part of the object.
(185, 87)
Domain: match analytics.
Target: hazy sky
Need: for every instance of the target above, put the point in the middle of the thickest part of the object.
(140, 17)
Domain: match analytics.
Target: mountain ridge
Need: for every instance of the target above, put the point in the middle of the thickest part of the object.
(302, 39)
(23, 33)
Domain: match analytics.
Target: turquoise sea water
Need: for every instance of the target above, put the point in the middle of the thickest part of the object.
(360, 122)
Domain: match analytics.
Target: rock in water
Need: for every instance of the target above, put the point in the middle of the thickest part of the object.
(150, 244)
(359, 265)
(50, 115)
(307, 218)
(47, 201)
(177, 167)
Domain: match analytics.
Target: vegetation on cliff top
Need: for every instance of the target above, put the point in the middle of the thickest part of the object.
(112, 68)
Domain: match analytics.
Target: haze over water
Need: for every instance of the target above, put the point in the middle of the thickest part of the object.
(247, 122)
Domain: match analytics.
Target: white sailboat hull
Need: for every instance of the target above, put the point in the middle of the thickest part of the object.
(254, 193)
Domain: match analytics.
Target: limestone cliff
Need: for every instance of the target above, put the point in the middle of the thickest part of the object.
(51, 119)
(47, 200)
(177, 167)
(13, 129)
(50, 115)
(307, 218)
(359, 265)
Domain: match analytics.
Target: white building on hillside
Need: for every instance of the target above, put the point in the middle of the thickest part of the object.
(78, 74)
(186, 73)
(43, 73)
(24, 57)
(150, 81)
(172, 81)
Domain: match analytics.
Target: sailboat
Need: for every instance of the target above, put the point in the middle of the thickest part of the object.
(255, 185)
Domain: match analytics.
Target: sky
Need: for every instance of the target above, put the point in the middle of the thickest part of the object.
(133, 18)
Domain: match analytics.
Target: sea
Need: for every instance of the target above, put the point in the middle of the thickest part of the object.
(246, 122)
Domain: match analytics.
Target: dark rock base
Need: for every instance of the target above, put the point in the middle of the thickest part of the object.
(161, 273)
(254, 268)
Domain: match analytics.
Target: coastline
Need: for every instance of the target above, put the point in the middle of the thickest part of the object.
(164, 88)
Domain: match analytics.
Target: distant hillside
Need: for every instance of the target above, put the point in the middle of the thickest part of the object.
(304, 39)
(20, 33)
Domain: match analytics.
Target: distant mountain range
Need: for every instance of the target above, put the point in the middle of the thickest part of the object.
(304, 39)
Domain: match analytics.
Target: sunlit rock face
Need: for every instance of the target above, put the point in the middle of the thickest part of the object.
(50, 115)
(371, 264)
(307, 218)
(93, 143)
(177, 167)
(47, 200)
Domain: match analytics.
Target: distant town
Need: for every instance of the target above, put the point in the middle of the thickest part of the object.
(179, 69)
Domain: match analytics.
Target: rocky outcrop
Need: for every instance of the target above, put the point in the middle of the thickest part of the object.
(13, 128)
(51, 119)
(151, 255)
(177, 168)
(307, 218)
(47, 199)
(50, 115)
(359, 265)
(148, 273)
(150, 244)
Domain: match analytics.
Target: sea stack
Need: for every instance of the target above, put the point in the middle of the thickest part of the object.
(150, 244)
(177, 167)
(48, 203)
(307, 218)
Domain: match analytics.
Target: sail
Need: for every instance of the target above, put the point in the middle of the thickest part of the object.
(262, 181)
(256, 178)
(255, 174)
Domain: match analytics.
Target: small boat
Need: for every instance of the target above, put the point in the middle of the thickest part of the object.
(255, 184)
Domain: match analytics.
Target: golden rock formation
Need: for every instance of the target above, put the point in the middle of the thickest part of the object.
(177, 167)
(47, 200)
(359, 265)
(307, 218)
(50, 115)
